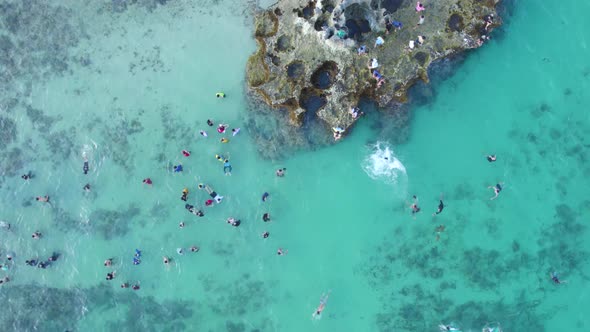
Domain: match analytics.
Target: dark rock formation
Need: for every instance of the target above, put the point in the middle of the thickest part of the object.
(307, 51)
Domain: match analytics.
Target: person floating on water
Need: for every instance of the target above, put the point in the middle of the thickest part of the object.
(234, 222)
(444, 327)
(224, 140)
(497, 189)
(111, 275)
(27, 176)
(184, 196)
(265, 196)
(266, 217)
(210, 122)
(220, 95)
(265, 235)
(227, 167)
(85, 167)
(323, 301)
(491, 158)
(87, 187)
(414, 206)
(221, 128)
(282, 252)
(36, 235)
(181, 224)
(203, 133)
(555, 278)
(235, 131)
(147, 181)
(281, 172)
(108, 262)
(195, 249)
(218, 198)
(186, 153)
(178, 168)
(441, 206)
(44, 199)
(192, 210)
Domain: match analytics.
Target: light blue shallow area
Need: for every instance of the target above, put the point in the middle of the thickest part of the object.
(140, 85)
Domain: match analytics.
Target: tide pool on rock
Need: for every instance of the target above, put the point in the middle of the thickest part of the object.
(144, 89)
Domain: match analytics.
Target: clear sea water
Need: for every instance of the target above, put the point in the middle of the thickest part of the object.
(130, 84)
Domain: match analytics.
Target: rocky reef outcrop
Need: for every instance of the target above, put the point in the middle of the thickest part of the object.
(308, 61)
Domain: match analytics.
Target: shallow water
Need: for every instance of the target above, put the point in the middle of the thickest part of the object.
(129, 85)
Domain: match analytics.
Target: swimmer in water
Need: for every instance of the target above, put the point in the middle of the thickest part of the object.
(181, 224)
(266, 217)
(166, 260)
(265, 235)
(184, 196)
(555, 278)
(87, 187)
(135, 287)
(218, 198)
(497, 189)
(491, 158)
(281, 172)
(180, 251)
(44, 199)
(224, 140)
(147, 181)
(54, 256)
(85, 167)
(27, 176)
(235, 131)
(125, 285)
(323, 301)
(111, 275)
(210, 123)
(233, 222)
(221, 128)
(4, 280)
(282, 252)
(178, 168)
(37, 235)
(186, 153)
(220, 95)
(414, 206)
(108, 262)
(443, 327)
(227, 167)
(441, 206)
(203, 133)
(195, 249)
(265, 196)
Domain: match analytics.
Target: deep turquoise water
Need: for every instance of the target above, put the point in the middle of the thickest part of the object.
(131, 89)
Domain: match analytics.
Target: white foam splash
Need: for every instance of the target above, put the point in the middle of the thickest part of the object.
(381, 164)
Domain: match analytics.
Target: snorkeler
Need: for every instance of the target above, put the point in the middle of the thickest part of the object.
(491, 158)
(441, 206)
(497, 189)
(266, 217)
(265, 196)
(555, 278)
(322, 306)
(213, 194)
(281, 172)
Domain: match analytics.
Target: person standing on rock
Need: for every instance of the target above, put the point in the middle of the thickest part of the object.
(379, 41)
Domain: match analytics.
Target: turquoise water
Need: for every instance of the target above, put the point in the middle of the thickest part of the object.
(130, 88)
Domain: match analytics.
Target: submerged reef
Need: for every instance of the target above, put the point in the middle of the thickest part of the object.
(307, 60)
